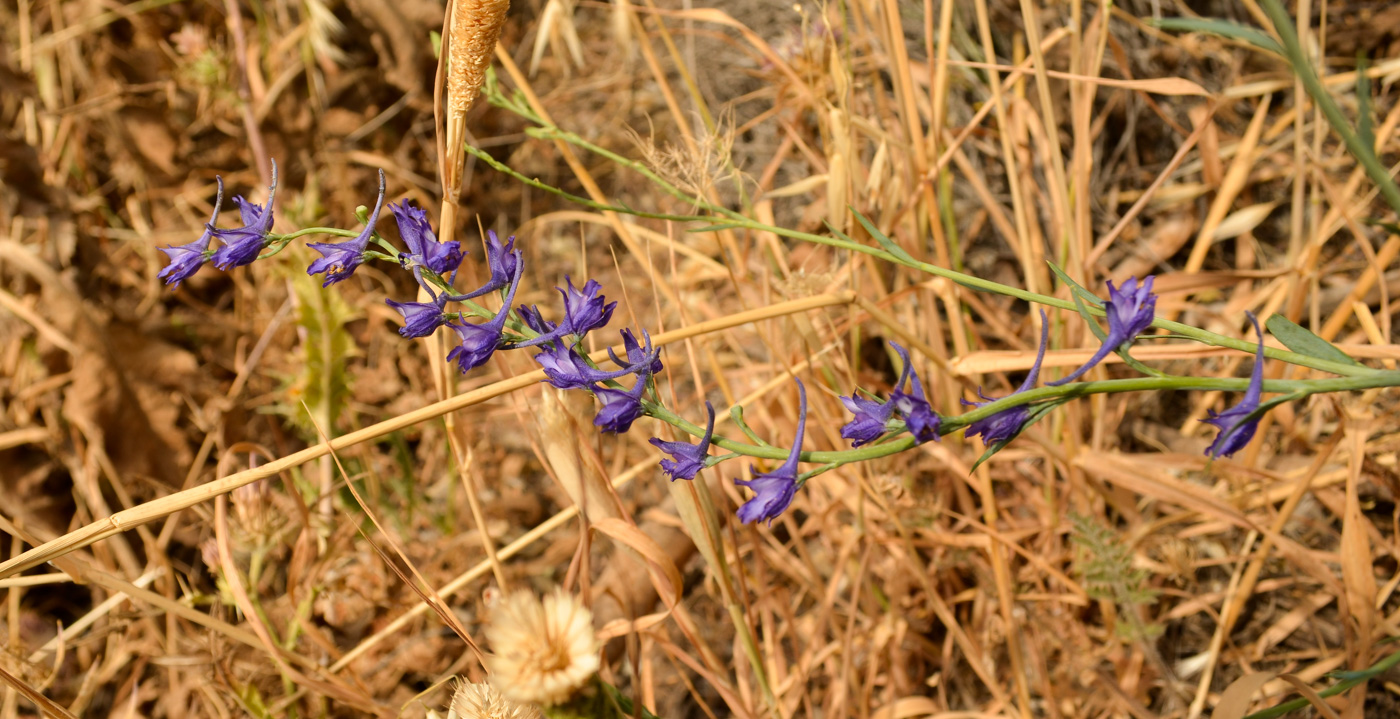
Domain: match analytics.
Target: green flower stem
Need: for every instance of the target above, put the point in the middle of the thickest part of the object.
(1300, 388)
(1363, 153)
(576, 199)
(733, 219)
(314, 231)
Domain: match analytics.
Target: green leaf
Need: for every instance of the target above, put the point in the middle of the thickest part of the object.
(1390, 227)
(1364, 130)
(1303, 341)
(1075, 288)
(1223, 28)
(1088, 318)
(883, 239)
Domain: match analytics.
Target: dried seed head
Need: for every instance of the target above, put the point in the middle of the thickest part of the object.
(476, 24)
(480, 701)
(545, 650)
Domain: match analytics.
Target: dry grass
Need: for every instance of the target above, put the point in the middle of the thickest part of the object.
(209, 555)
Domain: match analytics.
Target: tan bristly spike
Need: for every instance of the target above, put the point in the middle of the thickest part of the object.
(155, 509)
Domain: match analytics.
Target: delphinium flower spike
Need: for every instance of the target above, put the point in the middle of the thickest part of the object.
(1008, 423)
(424, 249)
(243, 244)
(479, 342)
(689, 458)
(773, 491)
(341, 258)
(1130, 310)
(185, 260)
(623, 407)
(1235, 429)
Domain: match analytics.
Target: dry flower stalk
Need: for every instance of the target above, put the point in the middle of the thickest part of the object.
(546, 650)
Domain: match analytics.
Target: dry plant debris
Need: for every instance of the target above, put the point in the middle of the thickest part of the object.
(216, 558)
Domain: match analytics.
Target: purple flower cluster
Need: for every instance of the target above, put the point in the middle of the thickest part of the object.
(872, 418)
(238, 246)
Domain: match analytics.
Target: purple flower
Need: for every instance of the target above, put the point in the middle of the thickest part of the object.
(341, 258)
(871, 417)
(479, 342)
(918, 415)
(565, 368)
(423, 246)
(1235, 430)
(421, 318)
(1130, 311)
(870, 420)
(620, 407)
(243, 244)
(774, 490)
(1006, 424)
(504, 261)
(637, 355)
(534, 320)
(186, 260)
(585, 309)
(689, 458)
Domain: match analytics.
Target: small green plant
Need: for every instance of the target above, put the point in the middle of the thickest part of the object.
(1105, 568)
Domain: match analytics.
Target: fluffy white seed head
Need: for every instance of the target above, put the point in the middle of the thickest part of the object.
(545, 650)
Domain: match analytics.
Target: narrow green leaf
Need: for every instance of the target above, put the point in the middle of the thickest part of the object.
(1088, 318)
(1223, 28)
(1076, 289)
(1303, 341)
(881, 238)
(1390, 227)
(1139, 366)
(1364, 130)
